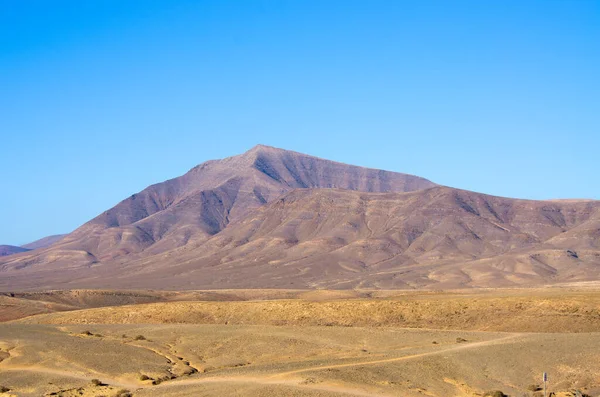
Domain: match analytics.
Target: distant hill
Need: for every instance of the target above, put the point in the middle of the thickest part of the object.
(272, 218)
(44, 242)
(6, 250)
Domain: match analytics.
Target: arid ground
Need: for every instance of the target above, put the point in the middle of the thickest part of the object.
(300, 343)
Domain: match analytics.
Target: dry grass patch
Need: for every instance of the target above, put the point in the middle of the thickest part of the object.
(514, 311)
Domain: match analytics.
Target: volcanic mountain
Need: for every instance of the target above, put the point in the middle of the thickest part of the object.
(271, 218)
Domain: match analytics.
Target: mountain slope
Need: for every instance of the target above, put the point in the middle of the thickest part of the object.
(440, 237)
(44, 242)
(314, 238)
(196, 206)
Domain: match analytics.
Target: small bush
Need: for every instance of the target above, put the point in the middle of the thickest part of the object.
(533, 387)
(123, 393)
(4, 389)
(88, 333)
(582, 394)
(96, 382)
(140, 337)
(495, 393)
(144, 377)
(460, 340)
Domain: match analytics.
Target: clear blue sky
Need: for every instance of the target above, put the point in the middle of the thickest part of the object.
(99, 99)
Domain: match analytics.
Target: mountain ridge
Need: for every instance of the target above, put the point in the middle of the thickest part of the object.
(275, 218)
(44, 242)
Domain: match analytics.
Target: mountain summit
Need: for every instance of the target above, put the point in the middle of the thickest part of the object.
(276, 218)
(202, 202)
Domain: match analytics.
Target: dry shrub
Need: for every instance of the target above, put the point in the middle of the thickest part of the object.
(96, 382)
(494, 393)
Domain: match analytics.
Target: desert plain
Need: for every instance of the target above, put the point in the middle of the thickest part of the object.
(275, 273)
(301, 342)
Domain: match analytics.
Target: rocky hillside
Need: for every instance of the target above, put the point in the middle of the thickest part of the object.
(270, 218)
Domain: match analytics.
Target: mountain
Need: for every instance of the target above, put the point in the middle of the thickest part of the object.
(271, 218)
(435, 238)
(6, 250)
(201, 203)
(198, 205)
(44, 242)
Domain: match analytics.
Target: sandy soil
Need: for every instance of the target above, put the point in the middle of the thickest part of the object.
(66, 353)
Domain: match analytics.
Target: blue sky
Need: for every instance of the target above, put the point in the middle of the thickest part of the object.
(99, 98)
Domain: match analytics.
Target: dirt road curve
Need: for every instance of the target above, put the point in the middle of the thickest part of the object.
(287, 378)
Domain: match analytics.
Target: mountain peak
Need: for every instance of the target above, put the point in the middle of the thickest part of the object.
(267, 150)
(260, 146)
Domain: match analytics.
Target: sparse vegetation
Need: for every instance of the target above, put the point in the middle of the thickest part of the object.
(96, 382)
(310, 353)
(4, 389)
(578, 393)
(89, 333)
(123, 393)
(514, 312)
(494, 393)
